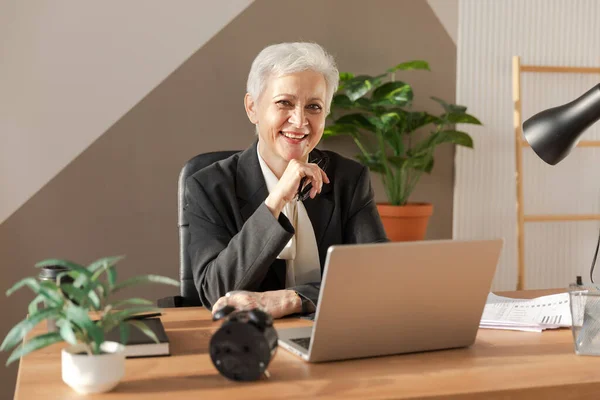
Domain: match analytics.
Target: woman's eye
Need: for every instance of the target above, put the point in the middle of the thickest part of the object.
(284, 103)
(315, 107)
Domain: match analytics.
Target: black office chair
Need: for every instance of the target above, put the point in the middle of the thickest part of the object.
(188, 293)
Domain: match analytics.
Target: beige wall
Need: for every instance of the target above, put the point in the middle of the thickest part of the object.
(70, 69)
(447, 13)
(119, 196)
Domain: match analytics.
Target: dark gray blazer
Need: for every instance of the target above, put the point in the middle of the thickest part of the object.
(235, 240)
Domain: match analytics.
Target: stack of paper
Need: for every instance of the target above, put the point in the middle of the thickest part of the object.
(534, 315)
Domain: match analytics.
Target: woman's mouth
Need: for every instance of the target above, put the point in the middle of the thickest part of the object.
(294, 137)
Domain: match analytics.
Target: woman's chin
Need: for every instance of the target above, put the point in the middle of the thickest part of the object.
(290, 153)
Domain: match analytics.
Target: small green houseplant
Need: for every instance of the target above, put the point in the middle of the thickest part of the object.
(81, 305)
(376, 112)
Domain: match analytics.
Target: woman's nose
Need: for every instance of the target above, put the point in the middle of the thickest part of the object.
(298, 118)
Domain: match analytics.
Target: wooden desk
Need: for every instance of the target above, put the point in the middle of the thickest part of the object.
(500, 365)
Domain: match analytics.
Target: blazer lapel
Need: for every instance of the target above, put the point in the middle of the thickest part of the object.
(251, 188)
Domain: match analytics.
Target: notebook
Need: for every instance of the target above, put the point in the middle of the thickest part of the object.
(140, 345)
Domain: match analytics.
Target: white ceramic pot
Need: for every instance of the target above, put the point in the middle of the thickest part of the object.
(93, 374)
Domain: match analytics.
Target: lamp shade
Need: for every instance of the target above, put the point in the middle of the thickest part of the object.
(552, 133)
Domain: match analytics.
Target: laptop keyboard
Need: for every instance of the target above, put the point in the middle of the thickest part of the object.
(302, 342)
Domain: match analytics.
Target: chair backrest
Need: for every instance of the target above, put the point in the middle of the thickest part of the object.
(186, 278)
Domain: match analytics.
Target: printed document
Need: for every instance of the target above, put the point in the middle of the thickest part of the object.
(534, 315)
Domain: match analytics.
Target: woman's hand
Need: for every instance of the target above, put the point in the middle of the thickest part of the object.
(278, 303)
(287, 187)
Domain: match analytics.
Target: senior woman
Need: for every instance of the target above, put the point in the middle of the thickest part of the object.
(255, 241)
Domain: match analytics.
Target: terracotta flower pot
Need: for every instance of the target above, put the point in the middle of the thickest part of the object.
(405, 223)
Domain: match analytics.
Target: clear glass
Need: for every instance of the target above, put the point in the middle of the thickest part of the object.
(585, 313)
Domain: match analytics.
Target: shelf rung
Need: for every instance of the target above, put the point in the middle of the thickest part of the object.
(547, 68)
(561, 217)
(583, 143)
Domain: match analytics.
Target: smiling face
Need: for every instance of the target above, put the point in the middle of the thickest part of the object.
(290, 117)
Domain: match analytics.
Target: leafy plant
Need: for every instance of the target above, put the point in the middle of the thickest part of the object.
(377, 115)
(80, 303)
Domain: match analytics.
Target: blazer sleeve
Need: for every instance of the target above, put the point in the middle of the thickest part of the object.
(223, 261)
(364, 223)
(362, 226)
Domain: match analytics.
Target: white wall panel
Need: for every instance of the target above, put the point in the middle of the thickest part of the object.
(542, 32)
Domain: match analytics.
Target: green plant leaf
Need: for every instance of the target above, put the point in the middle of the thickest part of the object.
(75, 294)
(115, 318)
(124, 333)
(32, 283)
(423, 163)
(397, 161)
(35, 304)
(363, 103)
(104, 263)
(122, 315)
(356, 119)
(52, 291)
(144, 328)
(372, 163)
(457, 137)
(134, 301)
(61, 263)
(376, 122)
(417, 119)
(341, 101)
(94, 299)
(346, 76)
(79, 316)
(18, 332)
(450, 108)
(415, 64)
(81, 280)
(33, 344)
(389, 119)
(66, 331)
(103, 289)
(460, 119)
(47, 289)
(384, 122)
(82, 296)
(337, 130)
(396, 140)
(392, 93)
(426, 146)
(358, 86)
(111, 275)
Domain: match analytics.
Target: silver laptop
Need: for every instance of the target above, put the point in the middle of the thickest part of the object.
(393, 298)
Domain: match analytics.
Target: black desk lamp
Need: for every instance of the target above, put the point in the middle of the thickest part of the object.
(554, 132)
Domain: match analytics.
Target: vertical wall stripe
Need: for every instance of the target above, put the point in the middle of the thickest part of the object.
(542, 32)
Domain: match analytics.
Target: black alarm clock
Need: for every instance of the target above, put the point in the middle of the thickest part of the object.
(242, 348)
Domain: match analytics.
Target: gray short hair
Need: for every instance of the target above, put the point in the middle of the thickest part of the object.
(288, 58)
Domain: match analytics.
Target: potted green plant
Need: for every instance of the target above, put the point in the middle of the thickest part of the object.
(81, 305)
(376, 112)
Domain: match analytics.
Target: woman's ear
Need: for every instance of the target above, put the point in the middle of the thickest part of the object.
(250, 106)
